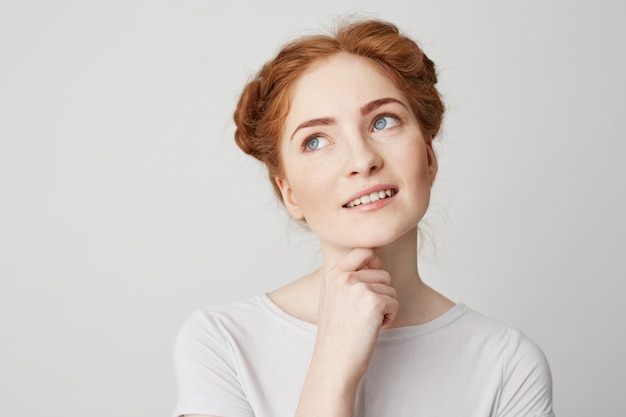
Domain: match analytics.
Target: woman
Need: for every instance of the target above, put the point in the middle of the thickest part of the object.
(345, 126)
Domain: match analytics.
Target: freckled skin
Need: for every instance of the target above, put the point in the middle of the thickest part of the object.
(350, 132)
(354, 151)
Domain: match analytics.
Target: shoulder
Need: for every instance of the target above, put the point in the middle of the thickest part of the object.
(512, 344)
(526, 381)
(515, 350)
(246, 323)
(207, 364)
(220, 321)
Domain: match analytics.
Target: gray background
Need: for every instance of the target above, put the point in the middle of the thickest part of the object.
(125, 203)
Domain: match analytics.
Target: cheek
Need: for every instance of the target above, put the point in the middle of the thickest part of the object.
(412, 158)
(307, 188)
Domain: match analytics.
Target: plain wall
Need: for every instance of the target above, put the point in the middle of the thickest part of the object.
(125, 203)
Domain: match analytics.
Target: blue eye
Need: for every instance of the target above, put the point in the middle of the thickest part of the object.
(314, 143)
(385, 122)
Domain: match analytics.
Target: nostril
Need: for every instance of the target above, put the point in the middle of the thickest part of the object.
(363, 159)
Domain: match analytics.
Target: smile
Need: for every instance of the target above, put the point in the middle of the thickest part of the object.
(368, 198)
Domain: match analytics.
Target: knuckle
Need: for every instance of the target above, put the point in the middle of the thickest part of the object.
(349, 277)
(377, 302)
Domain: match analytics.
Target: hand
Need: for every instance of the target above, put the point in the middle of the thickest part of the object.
(356, 300)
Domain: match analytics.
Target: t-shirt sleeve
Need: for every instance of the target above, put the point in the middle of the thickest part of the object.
(206, 371)
(526, 380)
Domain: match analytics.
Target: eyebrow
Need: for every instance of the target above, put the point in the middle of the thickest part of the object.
(373, 105)
(322, 121)
(366, 109)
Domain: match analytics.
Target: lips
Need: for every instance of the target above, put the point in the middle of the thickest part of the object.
(370, 197)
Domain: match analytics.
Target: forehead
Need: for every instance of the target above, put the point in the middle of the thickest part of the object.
(337, 86)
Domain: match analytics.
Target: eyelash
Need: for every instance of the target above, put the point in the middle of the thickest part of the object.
(397, 118)
(308, 139)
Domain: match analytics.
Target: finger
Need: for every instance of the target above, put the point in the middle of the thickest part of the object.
(382, 289)
(374, 263)
(370, 276)
(358, 259)
(391, 310)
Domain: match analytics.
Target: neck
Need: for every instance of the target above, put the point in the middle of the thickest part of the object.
(418, 302)
(399, 258)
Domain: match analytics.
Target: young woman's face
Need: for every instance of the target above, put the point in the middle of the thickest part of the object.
(356, 165)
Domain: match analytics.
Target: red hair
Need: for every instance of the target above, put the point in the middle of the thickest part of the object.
(264, 102)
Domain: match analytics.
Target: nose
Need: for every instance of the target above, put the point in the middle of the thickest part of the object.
(363, 158)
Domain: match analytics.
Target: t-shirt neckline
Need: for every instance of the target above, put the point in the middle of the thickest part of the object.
(444, 320)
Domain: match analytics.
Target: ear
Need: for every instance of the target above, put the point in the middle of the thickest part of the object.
(289, 198)
(432, 161)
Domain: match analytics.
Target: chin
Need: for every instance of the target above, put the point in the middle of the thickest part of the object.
(380, 240)
(372, 235)
(376, 242)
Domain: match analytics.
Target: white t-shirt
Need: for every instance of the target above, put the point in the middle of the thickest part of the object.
(250, 358)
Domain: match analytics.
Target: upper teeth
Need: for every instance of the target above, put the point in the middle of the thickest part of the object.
(368, 198)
